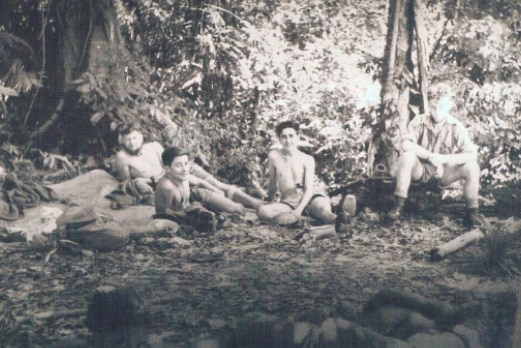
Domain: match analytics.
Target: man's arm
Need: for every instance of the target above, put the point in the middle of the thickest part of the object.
(456, 158)
(121, 164)
(309, 174)
(469, 154)
(165, 196)
(122, 167)
(465, 150)
(409, 145)
(272, 184)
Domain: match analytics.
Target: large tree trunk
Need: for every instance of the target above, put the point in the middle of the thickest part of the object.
(405, 83)
(88, 40)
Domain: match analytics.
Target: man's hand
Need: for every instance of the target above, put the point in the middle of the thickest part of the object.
(437, 160)
(296, 212)
(143, 187)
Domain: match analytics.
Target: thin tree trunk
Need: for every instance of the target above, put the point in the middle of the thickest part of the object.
(55, 117)
(423, 54)
(399, 82)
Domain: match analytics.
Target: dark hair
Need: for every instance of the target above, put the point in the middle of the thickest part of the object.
(127, 128)
(286, 124)
(172, 152)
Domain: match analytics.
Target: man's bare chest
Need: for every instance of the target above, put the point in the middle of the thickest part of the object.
(291, 168)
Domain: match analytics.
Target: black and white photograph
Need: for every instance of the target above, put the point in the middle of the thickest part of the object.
(260, 174)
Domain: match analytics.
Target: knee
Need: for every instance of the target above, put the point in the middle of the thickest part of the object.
(408, 159)
(321, 209)
(471, 170)
(237, 208)
(264, 212)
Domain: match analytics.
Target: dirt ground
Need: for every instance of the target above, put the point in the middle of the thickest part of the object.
(196, 285)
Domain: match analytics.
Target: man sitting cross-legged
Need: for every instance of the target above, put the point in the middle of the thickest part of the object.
(438, 147)
(292, 172)
(139, 165)
(177, 190)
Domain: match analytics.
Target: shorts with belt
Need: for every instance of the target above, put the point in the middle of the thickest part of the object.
(293, 196)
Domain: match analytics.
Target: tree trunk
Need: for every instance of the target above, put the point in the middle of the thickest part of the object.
(88, 40)
(405, 78)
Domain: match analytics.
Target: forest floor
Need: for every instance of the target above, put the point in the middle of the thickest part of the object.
(202, 284)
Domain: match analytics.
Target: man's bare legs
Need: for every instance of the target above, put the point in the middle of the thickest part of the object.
(237, 195)
(270, 211)
(320, 208)
(232, 192)
(216, 202)
(468, 172)
(411, 169)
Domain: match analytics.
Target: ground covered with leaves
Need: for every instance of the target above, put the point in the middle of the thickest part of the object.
(193, 285)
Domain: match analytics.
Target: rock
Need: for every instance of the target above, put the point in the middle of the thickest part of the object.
(207, 343)
(355, 336)
(347, 310)
(254, 333)
(116, 317)
(313, 315)
(436, 340)
(396, 322)
(328, 330)
(442, 313)
(111, 309)
(302, 330)
(469, 336)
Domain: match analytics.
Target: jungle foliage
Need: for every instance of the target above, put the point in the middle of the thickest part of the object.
(228, 71)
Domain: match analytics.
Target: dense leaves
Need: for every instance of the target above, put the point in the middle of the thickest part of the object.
(229, 71)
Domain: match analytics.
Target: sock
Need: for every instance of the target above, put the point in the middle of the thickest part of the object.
(400, 201)
(471, 203)
(472, 211)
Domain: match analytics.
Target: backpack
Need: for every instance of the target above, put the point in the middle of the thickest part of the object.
(91, 228)
(196, 216)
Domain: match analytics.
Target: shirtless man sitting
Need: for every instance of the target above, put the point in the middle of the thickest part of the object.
(292, 172)
(177, 190)
(140, 163)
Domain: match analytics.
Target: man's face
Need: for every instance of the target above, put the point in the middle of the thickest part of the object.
(179, 168)
(133, 141)
(441, 108)
(289, 138)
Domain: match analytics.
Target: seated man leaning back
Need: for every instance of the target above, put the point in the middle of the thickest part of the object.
(292, 173)
(178, 189)
(140, 164)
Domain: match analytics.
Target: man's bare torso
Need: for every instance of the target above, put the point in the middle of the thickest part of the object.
(290, 170)
(146, 164)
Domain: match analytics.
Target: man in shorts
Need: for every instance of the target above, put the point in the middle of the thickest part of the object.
(292, 173)
(181, 196)
(438, 147)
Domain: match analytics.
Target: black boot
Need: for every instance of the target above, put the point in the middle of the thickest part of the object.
(394, 214)
(473, 219)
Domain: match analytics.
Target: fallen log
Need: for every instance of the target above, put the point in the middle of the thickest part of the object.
(456, 244)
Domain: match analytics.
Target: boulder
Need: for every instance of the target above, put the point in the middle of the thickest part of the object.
(469, 336)
(436, 340)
